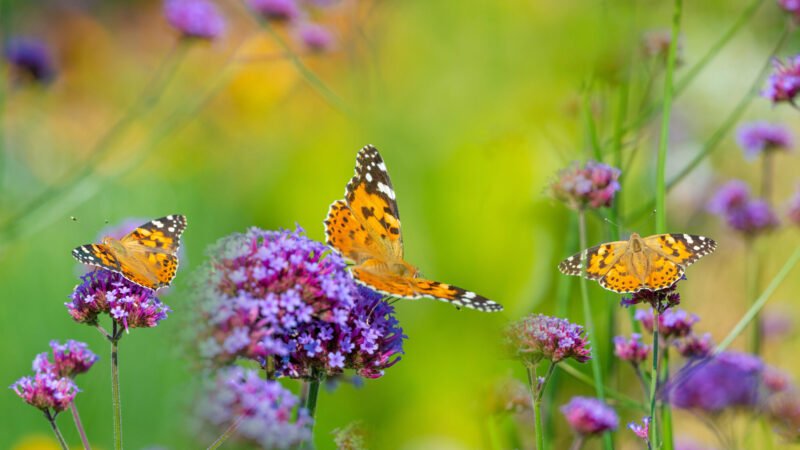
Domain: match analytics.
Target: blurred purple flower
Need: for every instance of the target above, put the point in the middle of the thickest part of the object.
(315, 38)
(750, 216)
(71, 358)
(776, 324)
(784, 83)
(759, 137)
(634, 350)
(661, 299)
(106, 292)
(195, 18)
(276, 10)
(538, 337)
(793, 212)
(673, 323)
(589, 416)
(643, 430)
(783, 410)
(265, 409)
(593, 185)
(510, 395)
(282, 295)
(728, 380)
(694, 346)
(31, 59)
(46, 390)
(775, 380)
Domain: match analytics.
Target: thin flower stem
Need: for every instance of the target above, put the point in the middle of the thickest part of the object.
(311, 400)
(661, 168)
(721, 133)
(52, 419)
(654, 385)
(587, 314)
(621, 398)
(115, 394)
(226, 434)
(643, 382)
(577, 443)
(759, 303)
(536, 399)
(666, 410)
(79, 425)
(767, 171)
(102, 331)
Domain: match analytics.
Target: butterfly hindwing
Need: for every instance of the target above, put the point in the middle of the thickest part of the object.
(620, 277)
(683, 249)
(371, 198)
(662, 273)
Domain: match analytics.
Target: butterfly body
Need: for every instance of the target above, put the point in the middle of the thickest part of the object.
(147, 256)
(650, 263)
(365, 229)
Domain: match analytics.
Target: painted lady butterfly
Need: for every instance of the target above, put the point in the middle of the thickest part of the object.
(148, 255)
(365, 229)
(653, 263)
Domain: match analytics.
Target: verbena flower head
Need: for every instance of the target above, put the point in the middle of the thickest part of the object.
(71, 358)
(742, 213)
(594, 185)
(281, 295)
(793, 213)
(661, 299)
(265, 409)
(694, 346)
(590, 416)
(791, 6)
(30, 59)
(728, 380)
(643, 430)
(775, 380)
(673, 323)
(632, 350)
(776, 324)
(46, 390)
(276, 10)
(106, 292)
(195, 18)
(762, 137)
(315, 38)
(538, 337)
(784, 83)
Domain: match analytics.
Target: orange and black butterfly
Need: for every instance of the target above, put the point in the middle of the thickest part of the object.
(365, 229)
(651, 263)
(147, 256)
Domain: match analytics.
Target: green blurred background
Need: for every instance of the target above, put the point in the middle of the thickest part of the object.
(474, 106)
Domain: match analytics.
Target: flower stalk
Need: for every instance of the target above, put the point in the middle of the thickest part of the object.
(226, 434)
(79, 426)
(51, 418)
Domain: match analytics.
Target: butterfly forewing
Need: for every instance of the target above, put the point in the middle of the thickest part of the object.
(345, 234)
(683, 249)
(598, 260)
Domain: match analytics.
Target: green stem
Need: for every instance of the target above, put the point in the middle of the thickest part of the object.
(587, 315)
(311, 399)
(577, 443)
(79, 425)
(661, 169)
(767, 175)
(759, 303)
(666, 410)
(621, 398)
(51, 418)
(115, 394)
(226, 434)
(654, 385)
(536, 400)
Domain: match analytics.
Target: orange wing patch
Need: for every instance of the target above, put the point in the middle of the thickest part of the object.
(620, 278)
(663, 273)
(347, 236)
(683, 249)
(600, 259)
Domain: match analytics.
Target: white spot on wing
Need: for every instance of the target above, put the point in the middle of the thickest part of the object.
(386, 190)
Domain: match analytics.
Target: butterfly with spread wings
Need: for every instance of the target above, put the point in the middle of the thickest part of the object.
(365, 229)
(651, 263)
(147, 256)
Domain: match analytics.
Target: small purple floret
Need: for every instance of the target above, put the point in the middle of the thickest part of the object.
(760, 137)
(784, 83)
(634, 350)
(276, 10)
(590, 416)
(643, 430)
(31, 59)
(195, 18)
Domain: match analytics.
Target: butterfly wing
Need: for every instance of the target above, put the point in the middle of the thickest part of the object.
(371, 200)
(348, 237)
(681, 249)
(662, 272)
(599, 260)
(97, 255)
(152, 251)
(414, 288)
(620, 277)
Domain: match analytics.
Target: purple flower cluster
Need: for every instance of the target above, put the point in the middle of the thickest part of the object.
(31, 59)
(791, 6)
(728, 380)
(52, 387)
(661, 299)
(593, 185)
(673, 323)
(742, 213)
(784, 83)
(195, 18)
(106, 292)
(264, 409)
(634, 350)
(589, 416)
(538, 337)
(762, 137)
(314, 37)
(283, 296)
(694, 346)
(643, 430)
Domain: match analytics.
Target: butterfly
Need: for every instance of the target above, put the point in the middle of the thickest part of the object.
(364, 228)
(654, 262)
(147, 256)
